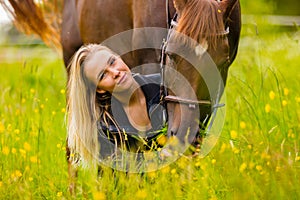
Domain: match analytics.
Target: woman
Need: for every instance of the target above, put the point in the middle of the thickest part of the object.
(108, 106)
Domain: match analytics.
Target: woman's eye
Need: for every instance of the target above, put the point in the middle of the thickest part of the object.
(103, 75)
(112, 61)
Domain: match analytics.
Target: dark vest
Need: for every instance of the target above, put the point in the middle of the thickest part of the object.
(150, 85)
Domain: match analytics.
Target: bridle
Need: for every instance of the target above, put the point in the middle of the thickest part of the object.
(164, 96)
(167, 98)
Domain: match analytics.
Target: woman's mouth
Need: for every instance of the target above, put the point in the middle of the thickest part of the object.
(122, 79)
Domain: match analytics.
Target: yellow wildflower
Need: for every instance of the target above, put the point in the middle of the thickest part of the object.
(235, 150)
(30, 179)
(27, 146)
(1, 183)
(297, 158)
(5, 150)
(173, 171)
(13, 150)
(62, 91)
(18, 173)
(63, 110)
(141, 194)
(233, 134)
(99, 195)
(165, 170)
(297, 99)
(267, 108)
(284, 102)
(197, 164)
(2, 128)
(285, 91)
(243, 167)
(152, 174)
(242, 125)
(258, 167)
(59, 194)
(16, 131)
(162, 140)
(42, 106)
(17, 112)
(213, 161)
(22, 151)
(272, 95)
(33, 159)
(32, 91)
(173, 141)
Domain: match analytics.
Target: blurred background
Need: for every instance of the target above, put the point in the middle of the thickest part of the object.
(275, 12)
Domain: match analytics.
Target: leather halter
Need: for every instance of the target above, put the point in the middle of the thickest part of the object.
(164, 97)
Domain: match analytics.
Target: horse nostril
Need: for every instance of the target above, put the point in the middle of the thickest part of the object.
(173, 131)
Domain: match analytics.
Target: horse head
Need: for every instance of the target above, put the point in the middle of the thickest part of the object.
(198, 52)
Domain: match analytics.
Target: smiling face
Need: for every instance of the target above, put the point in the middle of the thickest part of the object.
(108, 72)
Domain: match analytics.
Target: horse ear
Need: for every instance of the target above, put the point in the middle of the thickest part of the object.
(179, 5)
(227, 6)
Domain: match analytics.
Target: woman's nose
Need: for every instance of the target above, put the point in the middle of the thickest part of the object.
(115, 73)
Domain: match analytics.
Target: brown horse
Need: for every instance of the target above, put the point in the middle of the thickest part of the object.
(198, 43)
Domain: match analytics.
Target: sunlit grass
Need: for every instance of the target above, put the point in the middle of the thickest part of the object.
(256, 157)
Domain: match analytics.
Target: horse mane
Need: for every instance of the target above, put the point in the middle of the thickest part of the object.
(41, 18)
(202, 20)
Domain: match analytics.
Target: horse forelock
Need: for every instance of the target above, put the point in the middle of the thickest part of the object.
(202, 20)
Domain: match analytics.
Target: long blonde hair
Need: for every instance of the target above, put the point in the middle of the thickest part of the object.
(83, 109)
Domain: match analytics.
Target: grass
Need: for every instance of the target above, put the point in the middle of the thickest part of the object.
(256, 157)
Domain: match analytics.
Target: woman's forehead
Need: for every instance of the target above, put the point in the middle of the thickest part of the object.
(101, 57)
(96, 62)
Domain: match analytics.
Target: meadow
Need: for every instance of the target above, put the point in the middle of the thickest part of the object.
(256, 157)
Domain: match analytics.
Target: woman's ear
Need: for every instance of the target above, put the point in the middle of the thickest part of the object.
(179, 5)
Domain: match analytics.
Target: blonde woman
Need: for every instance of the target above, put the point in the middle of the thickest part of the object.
(108, 106)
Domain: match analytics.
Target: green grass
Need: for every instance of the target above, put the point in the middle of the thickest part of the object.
(256, 157)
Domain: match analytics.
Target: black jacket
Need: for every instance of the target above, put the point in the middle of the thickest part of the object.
(150, 85)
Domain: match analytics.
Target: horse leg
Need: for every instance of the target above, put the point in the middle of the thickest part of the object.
(72, 171)
(70, 34)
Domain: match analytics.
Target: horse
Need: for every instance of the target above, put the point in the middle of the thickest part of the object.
(211, 26)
